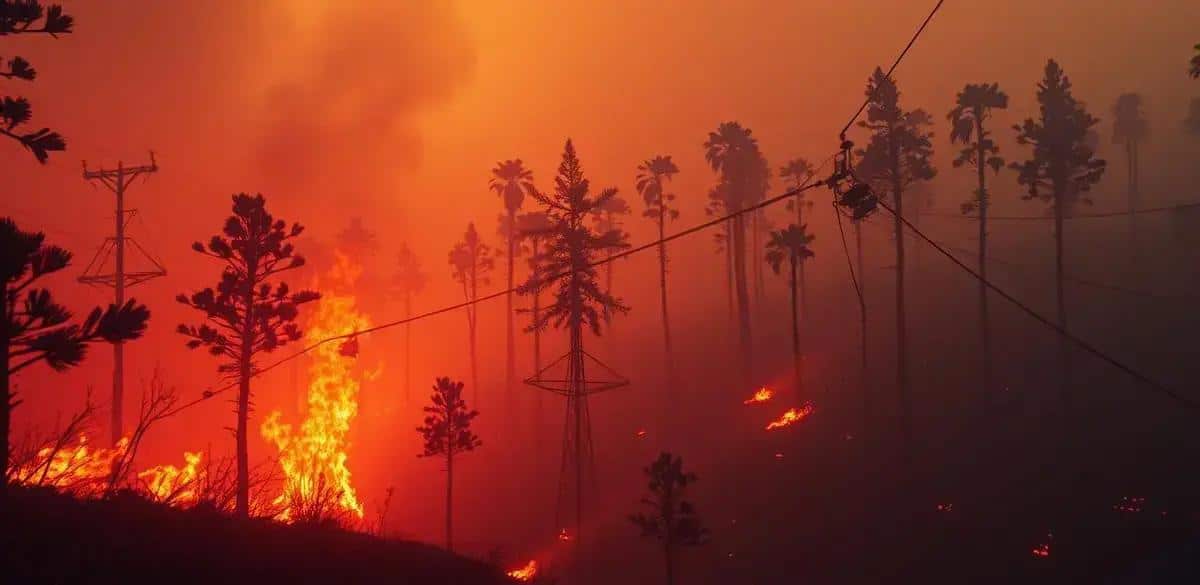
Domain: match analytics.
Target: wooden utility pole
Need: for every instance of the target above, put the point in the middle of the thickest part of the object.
(118, 180)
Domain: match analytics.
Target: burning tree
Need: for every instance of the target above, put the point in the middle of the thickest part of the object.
(897, 155)
(34, 328)
(1063, 168)
(447, 431)
(792, 244)
(471, 261)
(29, 17)
(247, 314)
(511, 181)
(652, 174)
(408, 280)
(671, 519)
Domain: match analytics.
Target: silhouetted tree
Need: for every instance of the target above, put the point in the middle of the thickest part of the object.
(571, 249)
(607, 218)
(357, 241)
(732, 152)
(471, 261)
(972, 108)
(511, 181)
(1130, 129)
(896, 156)
(723, 241)
(408, 281)
(791, 244)
(29, 17)
(1062, 170)
(535, 227)
(247, 313)
(447, 432)
(34, 328)
(797, 172)
(652, 174)
(670, 518)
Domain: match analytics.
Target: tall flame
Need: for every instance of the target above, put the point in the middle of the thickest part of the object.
(77, 469)
(313, 458)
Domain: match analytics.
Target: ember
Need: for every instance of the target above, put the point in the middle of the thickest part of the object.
(526, 573)
(763, 394)
(792, 415)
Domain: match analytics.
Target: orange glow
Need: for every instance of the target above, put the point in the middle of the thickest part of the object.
(763, 394)
(526, 573)
(313, 459)
(75, 469)
(792, 416)
(173, 485)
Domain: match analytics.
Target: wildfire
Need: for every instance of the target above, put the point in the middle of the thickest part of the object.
(790, 417)
(526, 573)
(313, 458)
(173, 485)
(77, 469)
(763, 394)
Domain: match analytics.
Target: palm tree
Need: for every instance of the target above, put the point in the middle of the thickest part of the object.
(732, 152)
(1062, 170)
(791, 243)
(471, 261)
(723, 241)
(511, 181)
(650, 178)
(797, 172)
(974, 105)
(408, 281)
(606, 218)
(1130, 129)
(897, 155)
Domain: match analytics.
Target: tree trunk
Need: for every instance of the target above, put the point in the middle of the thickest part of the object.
(668, 358)
(242, 506)
(473, 315)
(1064, 349)
(729, 267)
(407, 348)
(670, 560)
(906, 428)
(985, 332)
(743, 298)
(450, 500)
(537, 333)
(6, 398)
(796, 359)
(510, 372)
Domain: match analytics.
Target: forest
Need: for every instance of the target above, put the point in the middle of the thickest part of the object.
(478, 292)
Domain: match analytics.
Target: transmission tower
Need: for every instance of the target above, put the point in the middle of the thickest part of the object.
(99, 272)
(578, 456)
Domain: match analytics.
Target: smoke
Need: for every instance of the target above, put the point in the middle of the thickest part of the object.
(344, 83)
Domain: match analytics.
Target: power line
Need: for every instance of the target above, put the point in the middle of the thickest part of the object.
(1072, 216)
(1144, 379)
(895, 64)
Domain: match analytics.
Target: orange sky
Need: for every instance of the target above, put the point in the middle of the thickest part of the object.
(395, 112)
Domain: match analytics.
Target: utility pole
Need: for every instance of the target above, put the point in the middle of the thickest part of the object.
(118, 180)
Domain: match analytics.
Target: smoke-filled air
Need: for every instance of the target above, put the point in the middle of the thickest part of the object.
(467, 291)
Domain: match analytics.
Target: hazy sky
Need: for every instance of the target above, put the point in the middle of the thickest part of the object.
(396, 111)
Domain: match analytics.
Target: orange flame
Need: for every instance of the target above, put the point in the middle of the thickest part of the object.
(314, 458)
(76, 469)
(173, 485)
(526, 573)
(763, 394)
(790, 417)
(564, 536)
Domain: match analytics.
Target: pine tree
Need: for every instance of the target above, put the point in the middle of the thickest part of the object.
(471, 262)
(20, 17)
(670, 517)
(447, 432)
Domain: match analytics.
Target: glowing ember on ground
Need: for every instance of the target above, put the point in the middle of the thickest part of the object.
(779, 455)
(526, 573)
(1042, 551)
(945, 507)
(790, 417)
(313, 457)
(1130, 505)
(641, 434)
(564, 536)
(763, 395)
